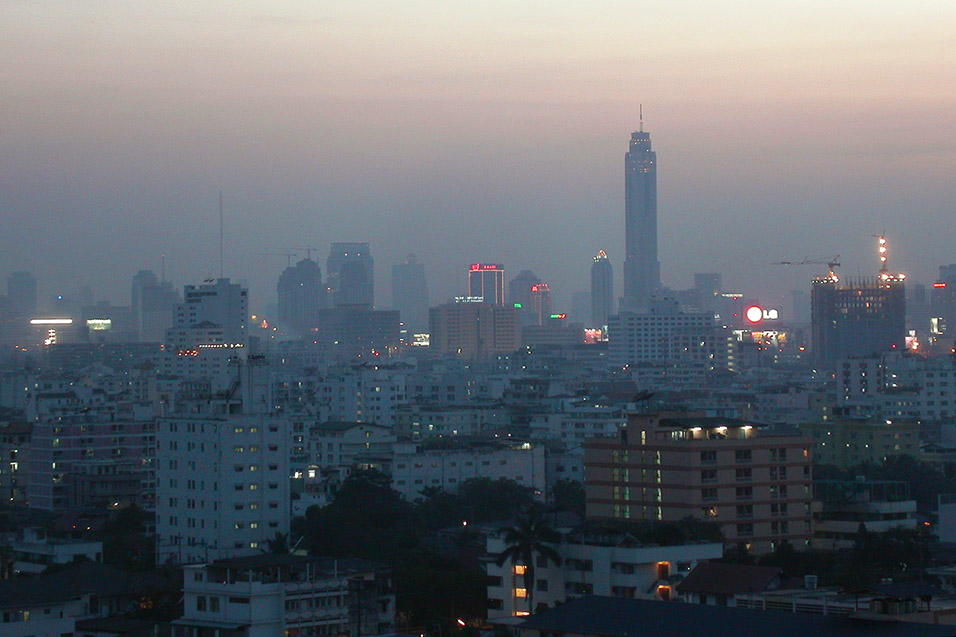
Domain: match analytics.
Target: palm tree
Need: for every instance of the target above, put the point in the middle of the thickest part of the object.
(525, 541)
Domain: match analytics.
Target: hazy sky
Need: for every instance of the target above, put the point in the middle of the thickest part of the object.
(466, 131)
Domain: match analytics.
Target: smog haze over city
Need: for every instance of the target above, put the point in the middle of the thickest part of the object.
(465, 132)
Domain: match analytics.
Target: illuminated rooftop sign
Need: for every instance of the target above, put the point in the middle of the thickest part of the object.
(51, 321)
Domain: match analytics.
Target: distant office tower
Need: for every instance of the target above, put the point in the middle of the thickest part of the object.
(860, 318)
(541, 302)
(351, 331)
(22, 294)
(581, 306)
(410, 294)
(708, 283)
(351, 274)
(487, 281)
(473, 331)
(602, 289)
(153, 304)
(642, 275)
(519, 288)
(301, 295)
(917, 310)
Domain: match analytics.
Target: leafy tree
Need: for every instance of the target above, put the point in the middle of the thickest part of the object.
(568, 495)
(525, 541)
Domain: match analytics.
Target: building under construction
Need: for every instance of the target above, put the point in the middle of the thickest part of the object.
(858, 317)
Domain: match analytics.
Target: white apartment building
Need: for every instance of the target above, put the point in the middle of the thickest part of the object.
(334, 444)
(668, 337)
(222, 483)
(576, 420)
(268, 595)
(415, 467)
(592, 563)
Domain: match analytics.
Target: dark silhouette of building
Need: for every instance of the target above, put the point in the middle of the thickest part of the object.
(410, 294)
(859, 318)
(351, 274)
(642, 276)
(602, 289)
(301, 295)
(487, 281)
(473, 331)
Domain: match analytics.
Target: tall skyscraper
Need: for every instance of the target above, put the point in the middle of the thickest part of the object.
(487, 280)
(602, 289)
(215, 313)
(642, 271)
(410, 294)
(351, 274)
(301, 295)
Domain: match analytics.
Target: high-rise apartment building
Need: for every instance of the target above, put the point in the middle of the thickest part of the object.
(410, 294)
(602, 289)
(487, 281)
(213, 313)
(943, 305)
(222, 483)
(153, 304)
(301, 295)
(669, 467)
(642, 276)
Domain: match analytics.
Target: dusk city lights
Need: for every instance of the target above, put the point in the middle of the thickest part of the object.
(498, 319)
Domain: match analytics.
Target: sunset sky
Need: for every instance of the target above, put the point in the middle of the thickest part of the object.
(470, 131)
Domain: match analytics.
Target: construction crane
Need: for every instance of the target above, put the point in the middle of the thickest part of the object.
(286, 253)
(308, 251)
(830, 263)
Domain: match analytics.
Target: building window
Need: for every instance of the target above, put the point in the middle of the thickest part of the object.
(742, 455)
(201, 603)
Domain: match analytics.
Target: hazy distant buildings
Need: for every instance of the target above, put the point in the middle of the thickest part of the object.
(602, 289)
(351, 331)
(301, 295)
(410, 294)
(213, 313)
(22, 294)
(487, 282)
(153, 304)
(351, 273)
(519, 288)
(642, 277)
(473, 331)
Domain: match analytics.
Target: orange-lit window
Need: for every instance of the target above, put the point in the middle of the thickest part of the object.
(520, 569)
(521, 592)
(663, 570)
(664, 592)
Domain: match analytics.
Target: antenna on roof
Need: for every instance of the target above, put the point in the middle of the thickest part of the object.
(641, 117)
(220, 235)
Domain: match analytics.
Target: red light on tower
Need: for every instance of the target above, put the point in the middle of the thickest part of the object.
(475, 267)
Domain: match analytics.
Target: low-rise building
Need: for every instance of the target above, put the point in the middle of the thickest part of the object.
(267, 595)
(416, 467)
(841, 506)
(592, 563)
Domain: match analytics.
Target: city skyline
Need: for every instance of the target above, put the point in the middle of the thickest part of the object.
(500, 143)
